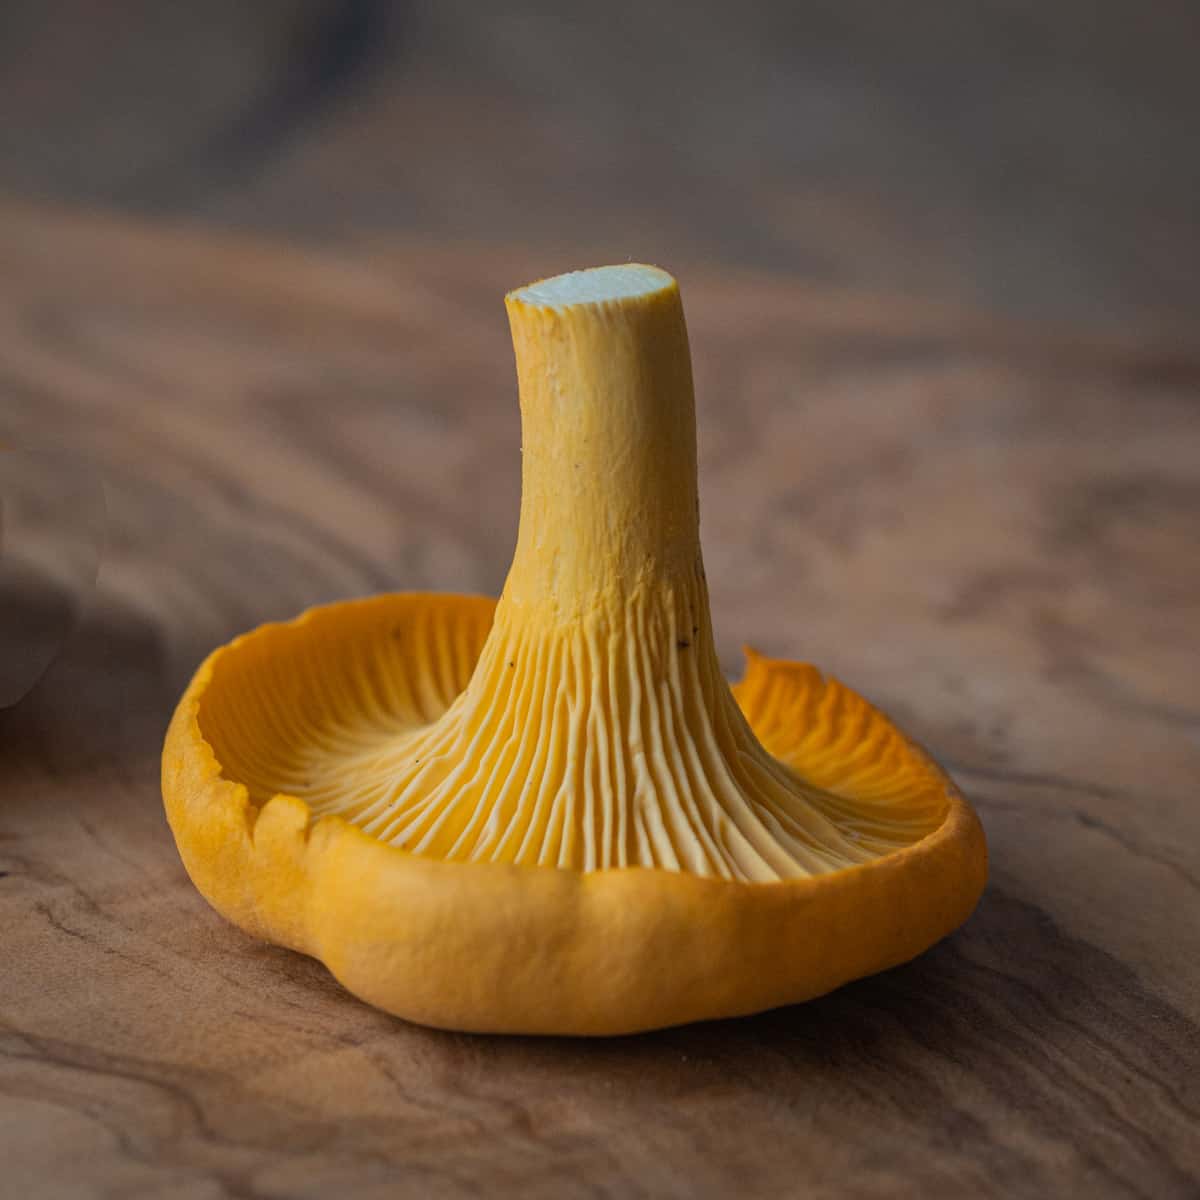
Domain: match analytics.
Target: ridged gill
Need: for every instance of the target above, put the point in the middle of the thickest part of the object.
(612, 743)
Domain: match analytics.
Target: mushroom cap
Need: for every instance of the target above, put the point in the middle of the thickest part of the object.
(495, 947)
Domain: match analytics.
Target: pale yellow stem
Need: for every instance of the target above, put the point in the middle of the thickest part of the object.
(608, 480)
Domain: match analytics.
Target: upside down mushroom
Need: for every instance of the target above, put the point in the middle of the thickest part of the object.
(551, 813)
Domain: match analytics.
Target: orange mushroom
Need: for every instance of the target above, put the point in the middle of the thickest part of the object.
(551, 814)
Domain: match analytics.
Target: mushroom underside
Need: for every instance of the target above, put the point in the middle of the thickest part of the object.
(339, 708)
(551, 813)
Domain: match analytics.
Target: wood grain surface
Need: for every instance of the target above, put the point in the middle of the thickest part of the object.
(990, 530)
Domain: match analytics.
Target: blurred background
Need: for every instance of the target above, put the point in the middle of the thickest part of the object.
(1038, 159)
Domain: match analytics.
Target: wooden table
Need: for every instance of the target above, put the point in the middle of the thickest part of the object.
(991, 530)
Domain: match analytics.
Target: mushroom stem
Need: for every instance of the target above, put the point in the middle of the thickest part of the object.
(608, 487)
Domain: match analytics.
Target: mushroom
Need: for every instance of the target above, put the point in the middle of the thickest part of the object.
(551, 813)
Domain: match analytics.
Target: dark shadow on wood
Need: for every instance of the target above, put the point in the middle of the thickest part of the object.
(103, 699)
